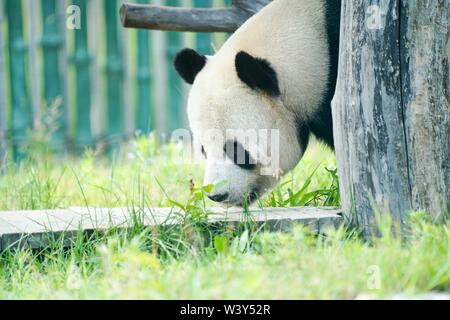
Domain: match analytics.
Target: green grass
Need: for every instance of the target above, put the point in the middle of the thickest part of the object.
(193, 261)
(145, 176)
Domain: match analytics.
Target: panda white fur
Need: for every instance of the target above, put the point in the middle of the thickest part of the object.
(277, 71)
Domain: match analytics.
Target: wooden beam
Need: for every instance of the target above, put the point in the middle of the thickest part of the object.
(185, 19)
(36, 229)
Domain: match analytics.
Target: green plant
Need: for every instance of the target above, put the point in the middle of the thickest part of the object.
(192, 259)
(286, 195)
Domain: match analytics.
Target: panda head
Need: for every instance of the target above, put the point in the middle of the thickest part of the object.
(235, 101)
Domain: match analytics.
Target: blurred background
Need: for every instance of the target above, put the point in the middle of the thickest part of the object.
(96, 86)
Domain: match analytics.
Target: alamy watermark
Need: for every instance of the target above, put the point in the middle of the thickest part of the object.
(73, 20)
(375, 18)
(260, 148)
(374, 278)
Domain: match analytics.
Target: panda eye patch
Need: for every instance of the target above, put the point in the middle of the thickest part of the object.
(240, 156)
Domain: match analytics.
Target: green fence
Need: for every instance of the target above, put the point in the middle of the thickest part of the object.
(69, 73)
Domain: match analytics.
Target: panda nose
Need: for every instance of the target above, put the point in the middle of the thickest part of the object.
(220, 197)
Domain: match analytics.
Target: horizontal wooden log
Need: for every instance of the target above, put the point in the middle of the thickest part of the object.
(186, 19)
(36, 229)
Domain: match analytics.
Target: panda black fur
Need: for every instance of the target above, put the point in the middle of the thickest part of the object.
(281, 68)
(322, 124)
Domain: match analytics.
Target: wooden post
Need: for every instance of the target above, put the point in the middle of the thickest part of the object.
(96, 42)
(82, 61)
(203, 40)
(32, 66)
(425, 67)
(160, 72)
(173, 45)
(144, 100)
(114, 74)
(391, 110)
(21, 112)
(51, 44)
(61, 12)
(3, 136)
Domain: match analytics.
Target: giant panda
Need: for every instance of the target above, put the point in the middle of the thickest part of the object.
(277, 71)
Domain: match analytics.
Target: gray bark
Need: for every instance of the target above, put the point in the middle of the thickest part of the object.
(426, 88)
(391, 110)
(185, 19)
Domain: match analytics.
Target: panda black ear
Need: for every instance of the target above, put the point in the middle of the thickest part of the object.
(188, 64)
(257, 73)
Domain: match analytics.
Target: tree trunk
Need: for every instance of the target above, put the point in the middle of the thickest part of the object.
(391, 110)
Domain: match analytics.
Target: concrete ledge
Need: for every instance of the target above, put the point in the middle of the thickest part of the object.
(35, 229)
